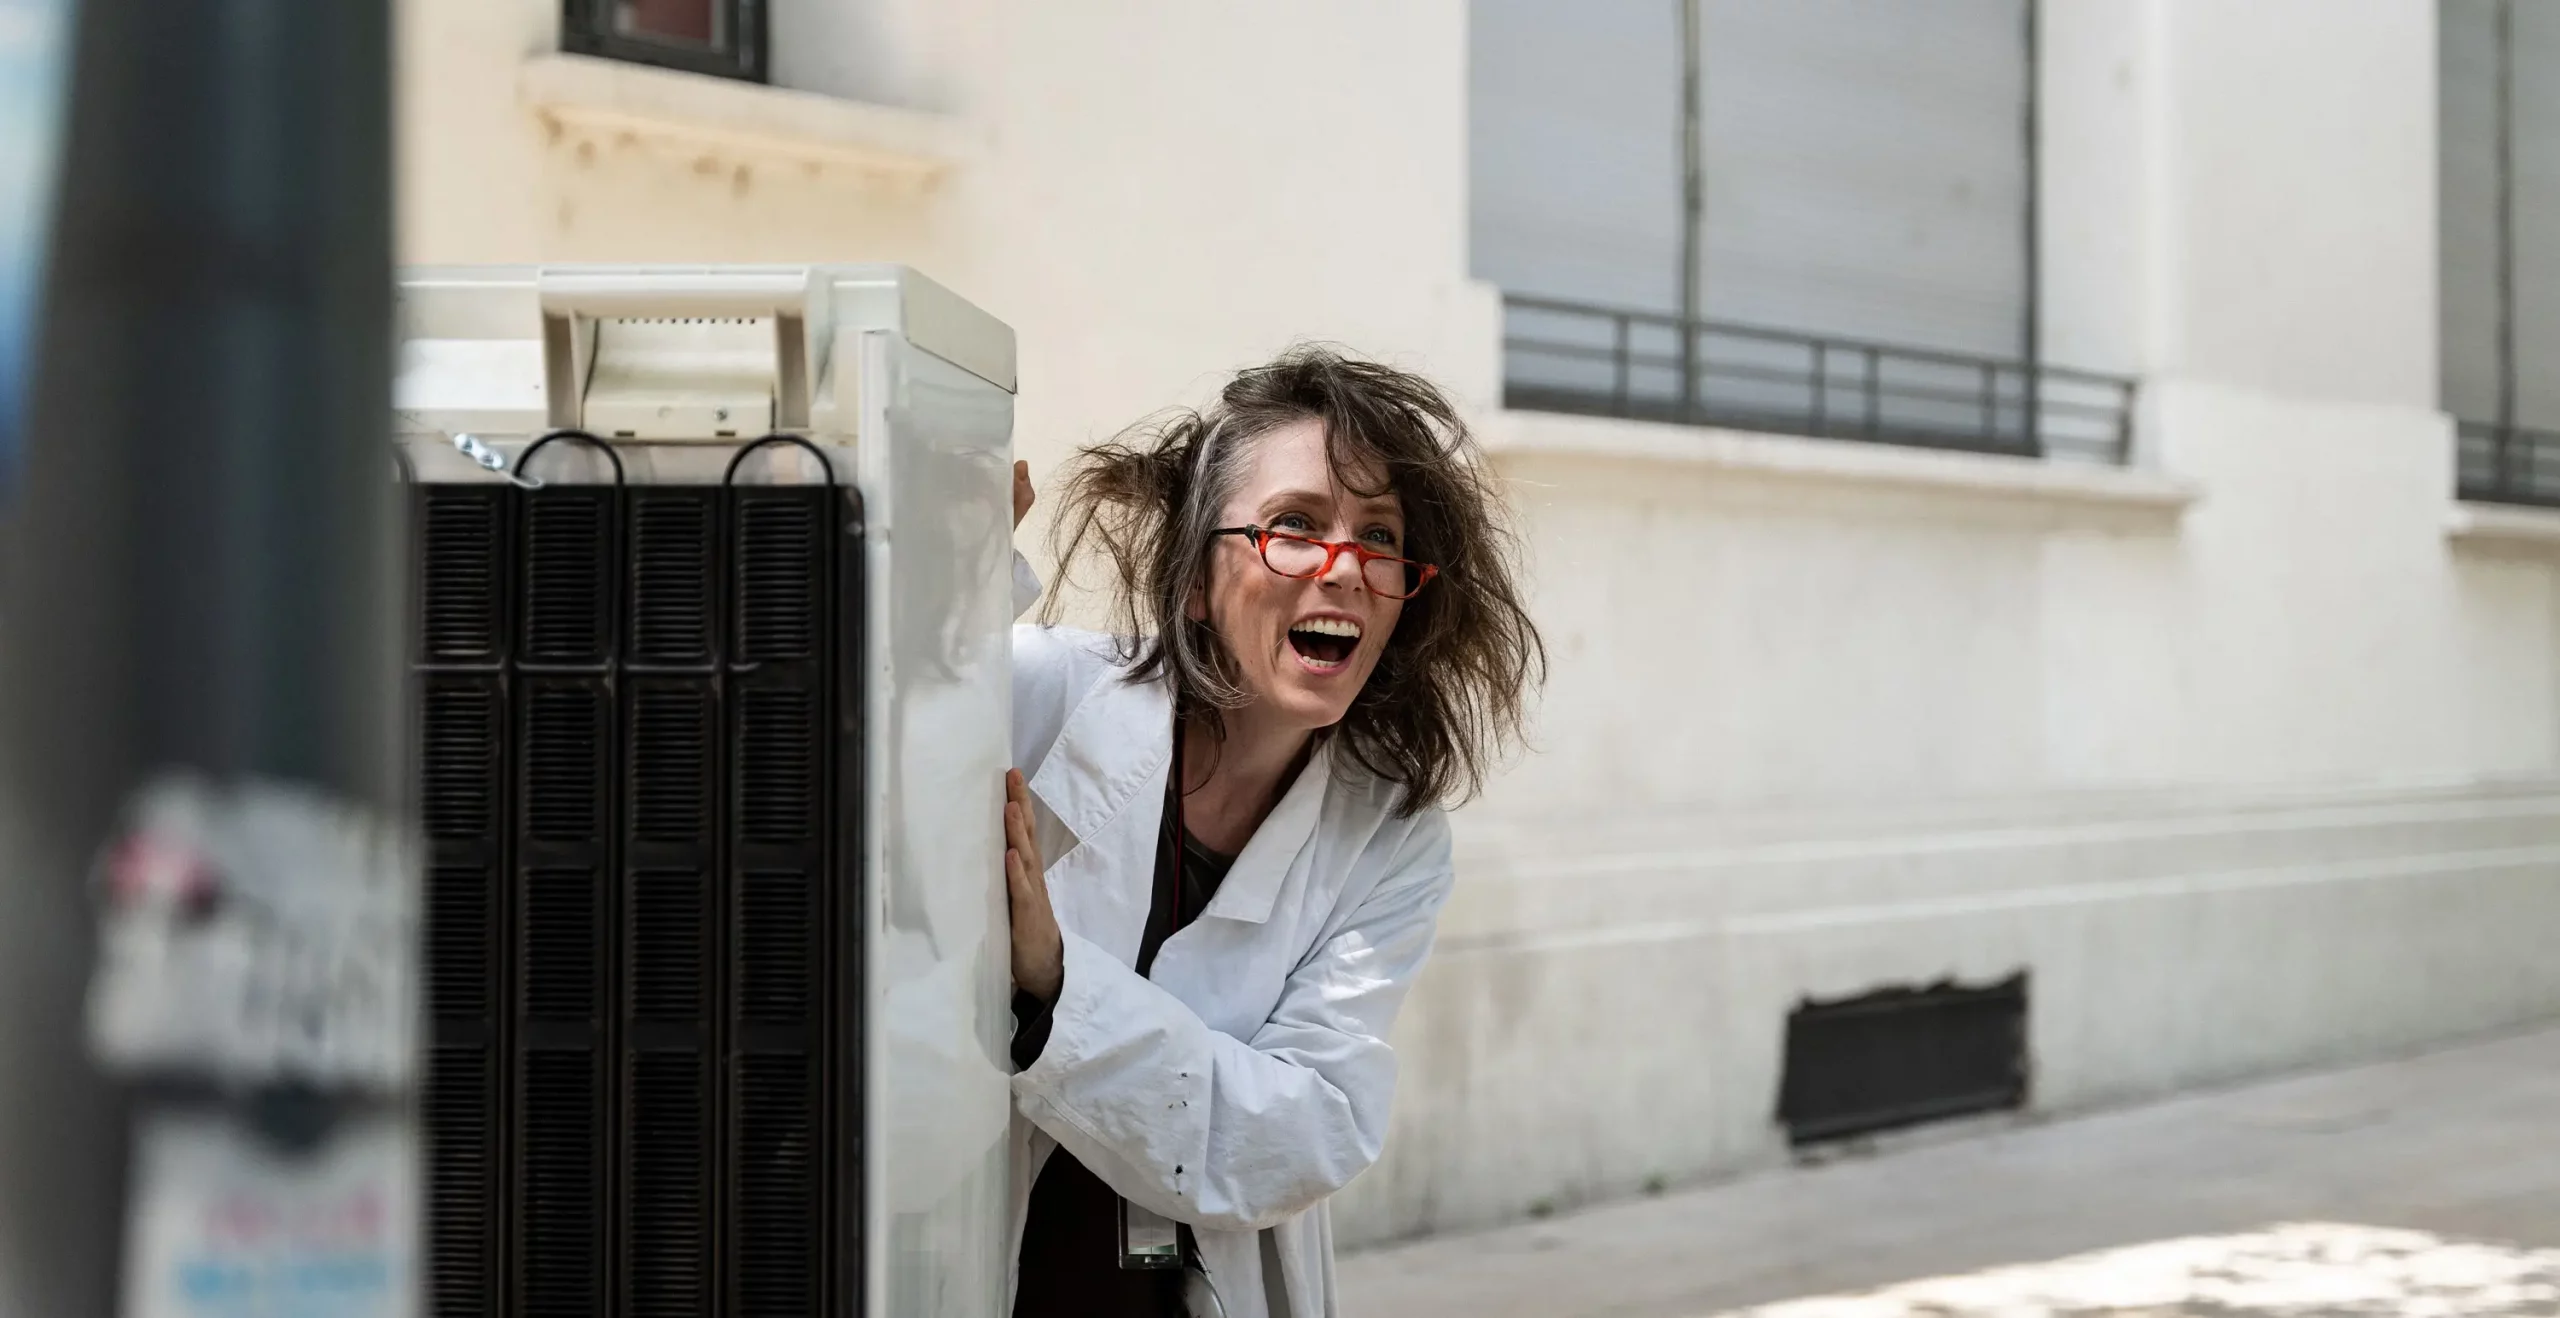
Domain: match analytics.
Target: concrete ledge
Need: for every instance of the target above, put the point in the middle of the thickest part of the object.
(1525, 894)
(2506, 526)
(697, 115)
(1844, 462)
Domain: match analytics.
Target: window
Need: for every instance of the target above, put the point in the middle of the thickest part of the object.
(722, 37)
(2498, 198)
(1809, 216)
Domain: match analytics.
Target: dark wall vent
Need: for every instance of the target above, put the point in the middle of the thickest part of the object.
(1901, 1057)
(640, 744)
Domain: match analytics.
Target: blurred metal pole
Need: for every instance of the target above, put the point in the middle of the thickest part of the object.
(1693, 201)
(2505, 440)
(205, 536)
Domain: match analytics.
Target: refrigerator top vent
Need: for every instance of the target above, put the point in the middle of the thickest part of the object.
(665, 354)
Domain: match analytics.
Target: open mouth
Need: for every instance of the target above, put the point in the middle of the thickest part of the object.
(1325, 643)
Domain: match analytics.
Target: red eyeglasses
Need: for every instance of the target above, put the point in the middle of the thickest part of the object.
(1304, 557)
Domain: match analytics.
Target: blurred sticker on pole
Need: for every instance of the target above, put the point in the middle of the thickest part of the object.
(256, 934)
(226, 1224)
(33, 47)
(256, 979)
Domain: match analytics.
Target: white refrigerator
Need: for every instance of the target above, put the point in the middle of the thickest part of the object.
(710, 667)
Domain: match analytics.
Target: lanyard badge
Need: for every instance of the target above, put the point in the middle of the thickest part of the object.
(1148, 1240)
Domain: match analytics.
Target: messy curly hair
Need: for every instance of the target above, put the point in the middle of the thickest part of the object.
(1447, 697)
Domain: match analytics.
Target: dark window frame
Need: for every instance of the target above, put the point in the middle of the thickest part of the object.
(586, 28)
(2022, 406)
(2498, 459)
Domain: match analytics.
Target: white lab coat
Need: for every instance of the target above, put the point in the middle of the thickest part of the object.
(1248, 1078)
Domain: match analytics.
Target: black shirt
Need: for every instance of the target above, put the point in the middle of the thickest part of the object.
(1070, 1265)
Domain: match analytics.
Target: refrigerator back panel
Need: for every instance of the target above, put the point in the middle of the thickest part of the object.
(643, 735)
(712, 731)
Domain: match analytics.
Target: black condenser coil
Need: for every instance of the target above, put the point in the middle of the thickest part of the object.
(639, 718)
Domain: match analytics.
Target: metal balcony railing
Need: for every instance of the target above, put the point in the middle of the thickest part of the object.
(1561, 356)
(2506, 464)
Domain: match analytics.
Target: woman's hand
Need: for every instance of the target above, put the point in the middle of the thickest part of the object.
(1022, 495)
(1039, 950)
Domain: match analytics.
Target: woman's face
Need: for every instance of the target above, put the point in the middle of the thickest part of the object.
(1303, 648)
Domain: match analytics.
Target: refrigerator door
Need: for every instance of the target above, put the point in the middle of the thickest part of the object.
(936, 471)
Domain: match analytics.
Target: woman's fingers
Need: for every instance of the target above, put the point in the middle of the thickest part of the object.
(1019, 849)
(1014, 845)
(1022, 492)
(1039, 951)
(1017, 821)
(1021, 875)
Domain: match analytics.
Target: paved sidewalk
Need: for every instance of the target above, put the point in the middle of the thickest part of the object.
(2425, 1185)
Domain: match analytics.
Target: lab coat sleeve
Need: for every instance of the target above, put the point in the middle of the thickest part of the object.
(1228, 1133)
(1026, 585)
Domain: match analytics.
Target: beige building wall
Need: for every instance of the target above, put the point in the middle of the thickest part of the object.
(2246, 752)
(1149, 192)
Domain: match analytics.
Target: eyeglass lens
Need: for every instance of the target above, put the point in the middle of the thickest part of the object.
(1305, 558)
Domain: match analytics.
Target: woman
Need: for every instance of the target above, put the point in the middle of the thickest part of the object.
(1226, 847)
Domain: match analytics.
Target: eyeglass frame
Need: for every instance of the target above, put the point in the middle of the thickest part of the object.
(1261, 536)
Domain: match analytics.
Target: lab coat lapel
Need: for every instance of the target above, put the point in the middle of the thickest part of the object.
(1253, 884)
(1103, 783)
(1115, 747)
(1110, 760)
